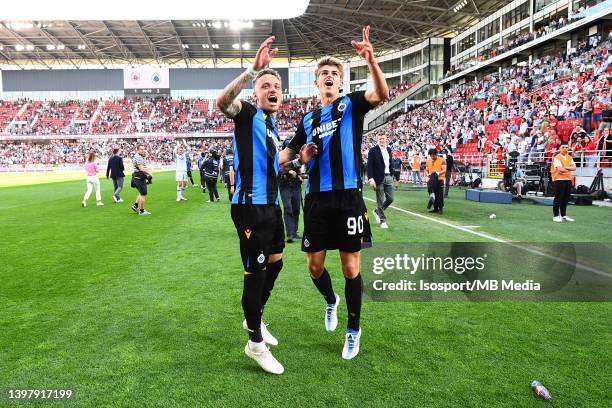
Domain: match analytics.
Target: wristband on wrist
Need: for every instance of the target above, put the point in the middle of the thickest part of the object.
(252, 72)
(296, 163)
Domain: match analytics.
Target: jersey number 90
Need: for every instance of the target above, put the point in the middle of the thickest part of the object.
(354, 225)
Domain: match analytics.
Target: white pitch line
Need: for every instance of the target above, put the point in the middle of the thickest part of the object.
(471, 226)
(448, 224)
(492, 238)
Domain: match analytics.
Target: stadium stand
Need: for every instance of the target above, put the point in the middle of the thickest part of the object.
(66, 151)
(130, 115)
(530, 109)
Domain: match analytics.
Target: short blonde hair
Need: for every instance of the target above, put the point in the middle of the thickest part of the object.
(329, 61)
(268, 71)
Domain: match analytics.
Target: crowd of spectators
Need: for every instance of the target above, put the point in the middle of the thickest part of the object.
(66, 151)
(130, 115)
(529, 109)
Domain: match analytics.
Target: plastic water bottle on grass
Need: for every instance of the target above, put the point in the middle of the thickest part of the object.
(541, 391)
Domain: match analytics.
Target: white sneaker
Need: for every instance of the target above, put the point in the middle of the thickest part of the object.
(99, 203)
(183, 198)
(114, 199)
(432, 199)
(120, 200)
(566, 218)
(384, 225)
(331, 315)
(557, 219)
(268, 338)
(376, 216)
(178, 199)
(262, 356)
(145, 212)
(83, 204)
(351, 345)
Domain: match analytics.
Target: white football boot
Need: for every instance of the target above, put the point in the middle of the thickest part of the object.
(351, 345)
(262, 356)
(331, 315)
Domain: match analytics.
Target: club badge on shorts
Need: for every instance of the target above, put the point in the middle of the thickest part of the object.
(261, 258)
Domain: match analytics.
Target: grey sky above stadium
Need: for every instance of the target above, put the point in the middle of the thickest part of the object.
(326, 28)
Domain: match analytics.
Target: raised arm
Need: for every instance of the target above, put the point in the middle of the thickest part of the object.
(226, 102)
(365, 50)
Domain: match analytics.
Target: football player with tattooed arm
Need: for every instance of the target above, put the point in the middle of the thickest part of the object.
(255, 210)
(329, 140)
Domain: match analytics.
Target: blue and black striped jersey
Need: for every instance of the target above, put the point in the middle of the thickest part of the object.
(337, 129)
(255, 147)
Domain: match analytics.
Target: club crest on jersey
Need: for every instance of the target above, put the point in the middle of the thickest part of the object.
(341, 107)
(248, 232)
(306, 243)
(261, 258)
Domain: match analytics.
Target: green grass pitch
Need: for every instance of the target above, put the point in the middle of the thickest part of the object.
(145, 312)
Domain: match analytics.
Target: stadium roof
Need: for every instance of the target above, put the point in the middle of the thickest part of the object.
(325, 29)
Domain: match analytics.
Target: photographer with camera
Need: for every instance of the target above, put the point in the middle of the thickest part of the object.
(140, 178)
(513, 181)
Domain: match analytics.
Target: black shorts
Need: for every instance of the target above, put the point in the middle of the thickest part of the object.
(336, 220)
(396, 175)
(140, 183)
(261, 232)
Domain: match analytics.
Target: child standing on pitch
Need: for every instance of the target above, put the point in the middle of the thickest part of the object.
(91, 168)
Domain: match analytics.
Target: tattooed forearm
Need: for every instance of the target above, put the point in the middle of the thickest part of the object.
(226, 101)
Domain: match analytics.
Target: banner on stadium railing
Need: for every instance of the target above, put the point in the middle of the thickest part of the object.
(68, 167)
(146, 79)
(148, 136)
